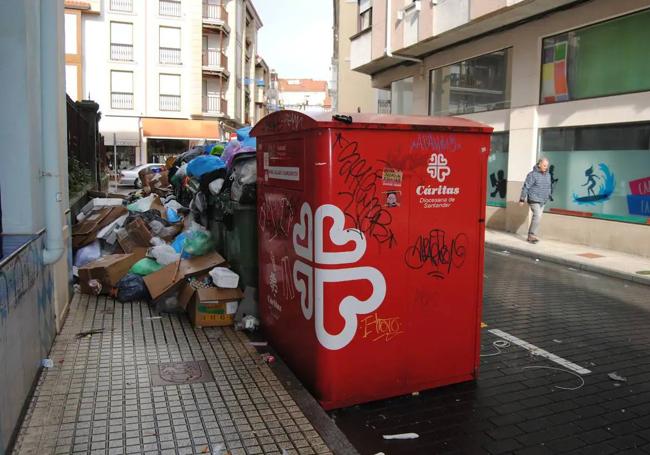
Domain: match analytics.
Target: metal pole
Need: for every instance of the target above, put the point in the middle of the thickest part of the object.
(115, 159)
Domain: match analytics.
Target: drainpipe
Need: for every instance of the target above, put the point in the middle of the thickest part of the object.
(389, 36)
(52, 127)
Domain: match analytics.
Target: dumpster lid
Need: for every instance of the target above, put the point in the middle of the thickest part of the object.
(293, 121)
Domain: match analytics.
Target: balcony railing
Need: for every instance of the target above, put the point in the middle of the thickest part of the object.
(170, 103)
(170, 55)
(121, 100)
(214, 104)
(122, 52)
(215, 58)
(213, 12)
(169, 8)
(122, 5)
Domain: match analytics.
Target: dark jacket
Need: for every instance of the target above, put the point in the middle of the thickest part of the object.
(537, 187)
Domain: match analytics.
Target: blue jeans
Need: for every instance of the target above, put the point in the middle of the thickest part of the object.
(537, 210)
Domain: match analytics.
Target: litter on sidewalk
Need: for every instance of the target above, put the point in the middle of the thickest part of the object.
(156, 244)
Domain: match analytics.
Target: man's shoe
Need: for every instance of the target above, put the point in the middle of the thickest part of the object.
(532, 240)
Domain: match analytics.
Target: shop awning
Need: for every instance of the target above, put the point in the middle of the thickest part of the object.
(120, 130)
(179, 128)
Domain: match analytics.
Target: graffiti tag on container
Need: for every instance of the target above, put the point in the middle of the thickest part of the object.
(437, 253)
(276, 217)
(362, 183)
(376, 328)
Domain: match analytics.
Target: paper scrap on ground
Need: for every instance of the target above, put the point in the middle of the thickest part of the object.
(617, 377)
(402, 436)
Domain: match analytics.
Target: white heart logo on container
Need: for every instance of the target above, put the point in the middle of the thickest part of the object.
(310, 281)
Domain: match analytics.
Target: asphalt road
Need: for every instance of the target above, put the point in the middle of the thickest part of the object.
(601, 324)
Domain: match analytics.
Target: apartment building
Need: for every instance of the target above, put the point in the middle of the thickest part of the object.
(166, 73)
(304, 95)
(564, 79)
(350, 91)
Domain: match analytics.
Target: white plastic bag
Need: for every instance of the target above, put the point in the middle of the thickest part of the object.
(142, 205)
(164, 254)
(215, 186)
(224, 278)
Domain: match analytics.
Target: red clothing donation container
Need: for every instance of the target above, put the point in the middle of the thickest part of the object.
(371, 232)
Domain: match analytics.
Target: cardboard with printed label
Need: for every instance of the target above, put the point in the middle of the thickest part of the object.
(213, 307)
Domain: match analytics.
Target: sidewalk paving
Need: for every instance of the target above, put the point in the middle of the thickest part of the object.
(105, 393)
(606, 262)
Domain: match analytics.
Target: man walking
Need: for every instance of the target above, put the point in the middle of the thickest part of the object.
(536, 191)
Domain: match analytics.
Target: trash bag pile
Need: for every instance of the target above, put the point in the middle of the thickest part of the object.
(154, 244)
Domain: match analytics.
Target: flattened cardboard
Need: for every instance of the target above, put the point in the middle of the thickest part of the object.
(167, 279)
(186, 295)
(201, 264)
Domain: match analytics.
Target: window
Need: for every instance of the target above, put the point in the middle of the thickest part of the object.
(497, 178)
(365, 15)
(71, 29)
(600, 171)
(402, 96)
(121, 90)
(170, 92)
(475, 85)
(170, 45)
(122, 41)
(125, 6)
(169, 8)
(604, 59)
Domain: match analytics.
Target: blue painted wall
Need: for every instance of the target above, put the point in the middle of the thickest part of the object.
(27, 331)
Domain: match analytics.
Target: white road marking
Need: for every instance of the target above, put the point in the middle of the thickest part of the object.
(540, 352)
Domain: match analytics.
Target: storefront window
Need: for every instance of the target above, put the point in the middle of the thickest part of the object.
(402, 96)
(475, 85)
(600, 171)
(497, 173)
(600, 60)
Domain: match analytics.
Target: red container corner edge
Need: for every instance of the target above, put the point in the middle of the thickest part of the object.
(371, 235)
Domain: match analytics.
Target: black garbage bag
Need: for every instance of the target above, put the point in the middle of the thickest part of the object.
(131, 288)
(210, 177)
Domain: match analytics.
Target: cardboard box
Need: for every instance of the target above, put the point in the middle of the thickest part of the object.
(108, 270)
(214, 307)
(172, 276)
(135, 234)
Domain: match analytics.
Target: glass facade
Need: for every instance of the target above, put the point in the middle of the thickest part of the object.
(600, 171)
(604, 59)
(497, 170)
(402, 96)
(475, 85)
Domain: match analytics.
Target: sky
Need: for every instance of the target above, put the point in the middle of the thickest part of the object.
(296, 39)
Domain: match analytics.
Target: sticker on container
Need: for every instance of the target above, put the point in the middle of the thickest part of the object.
(392, 177)
(231, 307)
(266, 160)
(392, 198)
(290, 173)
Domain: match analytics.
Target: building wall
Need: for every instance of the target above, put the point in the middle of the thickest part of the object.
(526, 117)
(31, 303)
(354, 90)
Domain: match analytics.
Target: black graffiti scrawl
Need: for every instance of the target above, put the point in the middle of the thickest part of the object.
(364, 201)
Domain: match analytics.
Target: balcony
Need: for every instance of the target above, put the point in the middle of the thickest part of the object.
(120, 100)
(215, 105)
(361, 48)
(170, 103)
(215, 16)
(124, 6)
(215, 58)
(169, 8)
(122, 52)
(170, 55)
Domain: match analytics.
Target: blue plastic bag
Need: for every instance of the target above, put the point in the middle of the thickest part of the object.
(172, 216)
(204, 164)
(178, 244)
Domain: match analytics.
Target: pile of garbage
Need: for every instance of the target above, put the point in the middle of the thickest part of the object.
(154, 245)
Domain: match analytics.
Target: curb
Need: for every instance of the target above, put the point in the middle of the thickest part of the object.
(639, 279)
